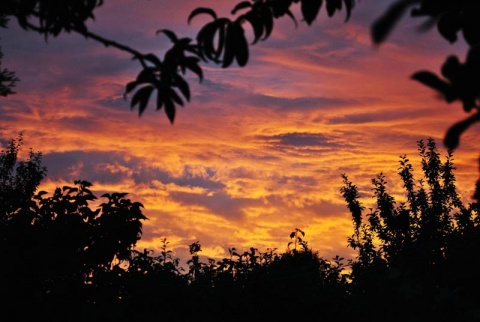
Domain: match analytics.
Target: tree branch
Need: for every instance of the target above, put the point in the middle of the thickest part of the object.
(109, 43)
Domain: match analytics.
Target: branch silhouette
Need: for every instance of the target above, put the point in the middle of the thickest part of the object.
(222, 41)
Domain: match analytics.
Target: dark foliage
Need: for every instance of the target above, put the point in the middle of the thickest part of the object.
(221, 41)
(64, 261)
(459, 81)
(18, 179)
(414, 257)
(8, 79)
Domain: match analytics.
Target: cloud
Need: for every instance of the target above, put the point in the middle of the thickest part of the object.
(379, 116)
(112, 167)
(220, 203)
(297, 139)
(259, 150)
(103, 167)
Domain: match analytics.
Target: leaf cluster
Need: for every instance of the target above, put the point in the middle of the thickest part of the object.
(221, 41)
(8, 79)
(51, 17)
(18, 179)
(459, 81)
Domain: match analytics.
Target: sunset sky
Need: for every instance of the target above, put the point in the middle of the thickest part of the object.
(259, 150)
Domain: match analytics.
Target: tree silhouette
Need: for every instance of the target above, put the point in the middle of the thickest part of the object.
(63, 260)
(410, 254)
(7, 78)
(56, 250)
(18, 179)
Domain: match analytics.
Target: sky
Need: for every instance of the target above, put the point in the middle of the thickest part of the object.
(259, 150)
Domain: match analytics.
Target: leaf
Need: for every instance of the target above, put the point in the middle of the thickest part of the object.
(201, 10)
(240, 6)
(170, 34)
(221, 39)
(333, 5)
(310, 9)
(205, 38)
(141, 98)
(290, 14)
(451, 68)
(241, 44)
(348, 6)
(279, 7)
(471, 25)
(433, 81)
(192, 64)
(170, 110)
(139, 204)
(268, 21)
(230, 45)
(476, 195)
(145, 75)
(448, 25)
(182, 85)
(473, 58)
(131, 86)
(153, 59)
(159, 100)
(257, 26)
(121, 194)
(452, 138)
(382, 27)
(174, 96)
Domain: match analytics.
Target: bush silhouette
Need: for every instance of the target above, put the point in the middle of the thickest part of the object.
(411, 256)
(415, 259)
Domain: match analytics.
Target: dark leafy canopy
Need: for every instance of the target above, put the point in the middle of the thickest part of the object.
(409, 258)
(7, 78)
(67, 261)
(60, 252)
(18, 179)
